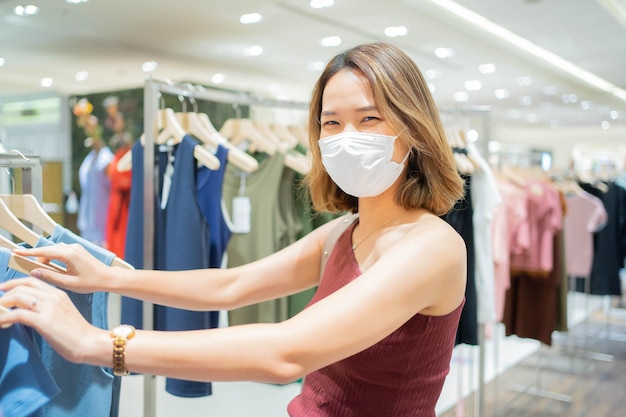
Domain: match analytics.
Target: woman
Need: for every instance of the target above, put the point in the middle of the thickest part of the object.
(377, 338)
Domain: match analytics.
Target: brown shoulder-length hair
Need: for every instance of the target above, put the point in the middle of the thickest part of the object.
(402, 96)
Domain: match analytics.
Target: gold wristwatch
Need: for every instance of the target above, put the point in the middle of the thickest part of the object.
(120, 335)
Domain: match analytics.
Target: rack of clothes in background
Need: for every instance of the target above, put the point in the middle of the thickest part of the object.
(203, 197)
(468, 131)
(550, 229)
(36, 380)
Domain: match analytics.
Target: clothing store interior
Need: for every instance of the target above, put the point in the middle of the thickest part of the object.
(532, 97)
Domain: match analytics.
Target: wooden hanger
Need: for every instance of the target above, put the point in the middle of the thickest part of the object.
(171, 133)
(238, 131)
(298, 162)
(285, 135)
(267, 131)
(199, 125)
(301, 133)
(26, 207)
(10, 223)
(23, 264)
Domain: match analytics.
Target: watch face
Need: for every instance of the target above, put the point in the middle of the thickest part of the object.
(124, 330)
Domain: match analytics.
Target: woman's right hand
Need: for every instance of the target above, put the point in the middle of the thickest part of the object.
(84, 273)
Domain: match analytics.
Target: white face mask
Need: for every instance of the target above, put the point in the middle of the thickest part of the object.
(360, 163)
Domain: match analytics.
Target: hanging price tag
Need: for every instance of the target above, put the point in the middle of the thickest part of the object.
(241, 214)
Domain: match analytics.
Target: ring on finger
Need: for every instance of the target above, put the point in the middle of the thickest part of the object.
(33, 304)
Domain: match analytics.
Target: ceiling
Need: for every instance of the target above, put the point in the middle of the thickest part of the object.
(192, 40)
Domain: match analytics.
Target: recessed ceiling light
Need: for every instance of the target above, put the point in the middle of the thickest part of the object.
(487, 68)
(432, 74)
(315, 66)
(76, 1)
(319, 4)
(524, 80)
(444, 52)
(432, 88)
(254, 50)
(473, 85)
(331, 41)
(585, 105)
(149, 66)
(472, 135)
(81, 76)
(29, 10)
(549, 90)
(218, 78)
(614, 114)
(250, 18)
(1, 62)
(46, 82)
(525, 100)
(605, 125)
(502, 93)
(395, 31)
(460, 96)
(569, 98)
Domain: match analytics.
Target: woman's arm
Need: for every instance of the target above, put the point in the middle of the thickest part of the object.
(290, 270)
(422, 272)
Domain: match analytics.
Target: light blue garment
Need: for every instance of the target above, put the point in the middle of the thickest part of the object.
(25, 383)
(95, 191)
(85, 390)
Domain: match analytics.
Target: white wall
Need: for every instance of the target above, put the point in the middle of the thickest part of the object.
(565, 143)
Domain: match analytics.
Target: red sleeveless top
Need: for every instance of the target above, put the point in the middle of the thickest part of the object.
(400, 376)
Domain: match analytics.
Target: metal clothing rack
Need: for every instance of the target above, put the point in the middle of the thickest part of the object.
(450, 117)
(153, 90)
(501, 153)
(30, 166)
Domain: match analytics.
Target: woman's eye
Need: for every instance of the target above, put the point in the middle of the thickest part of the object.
(370, 118)
(329, 122)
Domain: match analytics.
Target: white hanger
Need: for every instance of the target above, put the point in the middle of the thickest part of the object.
(26, 207)
(241, 130)
(10, 223)
(172, 133)
(285, 135)
(267, 131)
(22, 263)
(199, 125)
(301, 133)
(298, 162)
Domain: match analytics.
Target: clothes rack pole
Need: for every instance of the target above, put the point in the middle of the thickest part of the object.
(484, 113)
(153, 89)
(30, 166)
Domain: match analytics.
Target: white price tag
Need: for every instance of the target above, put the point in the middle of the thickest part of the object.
(241, 214)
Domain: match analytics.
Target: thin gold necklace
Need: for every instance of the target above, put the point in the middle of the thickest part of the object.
(356, 245)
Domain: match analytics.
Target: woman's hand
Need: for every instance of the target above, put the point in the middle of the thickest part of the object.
(84, 273)
(52, 314)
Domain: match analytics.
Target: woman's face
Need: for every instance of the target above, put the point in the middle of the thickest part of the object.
(348, 105)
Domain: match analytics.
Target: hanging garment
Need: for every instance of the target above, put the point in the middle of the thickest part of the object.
(25, 383)
(85, 389)
(210, 186)
(400, 376)
(117, 212)
(266, 233)
(532, 302)
(95, 191)
(181, 242)
(609, 242)
(460, 217)
(585, 215)
(485, 199)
